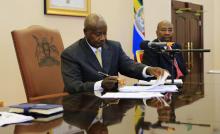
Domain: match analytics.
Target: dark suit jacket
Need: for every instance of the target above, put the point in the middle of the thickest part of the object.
(80, 66)
(80, 110)
(152, 58)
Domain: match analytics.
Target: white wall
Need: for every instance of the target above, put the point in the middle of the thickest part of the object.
(217, 33)
(155, 11)
(216, 44)
(18, 14)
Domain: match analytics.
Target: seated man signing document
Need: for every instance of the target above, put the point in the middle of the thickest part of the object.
(85, 61)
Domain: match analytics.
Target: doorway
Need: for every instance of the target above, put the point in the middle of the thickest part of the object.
(187, 19)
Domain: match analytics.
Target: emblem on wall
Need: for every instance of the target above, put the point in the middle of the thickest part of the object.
(46, 51)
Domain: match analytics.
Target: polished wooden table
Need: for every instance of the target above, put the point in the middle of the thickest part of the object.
(86, 113)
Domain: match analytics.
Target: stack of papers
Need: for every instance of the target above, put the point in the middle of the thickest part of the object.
(144, 92)
(161, 88)
(130, 95)
(168, 81)
(7, 118)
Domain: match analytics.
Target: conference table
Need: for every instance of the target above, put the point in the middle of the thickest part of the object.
(188, 112)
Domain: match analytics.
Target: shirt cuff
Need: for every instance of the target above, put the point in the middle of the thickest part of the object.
(145, 75)
(98, 88)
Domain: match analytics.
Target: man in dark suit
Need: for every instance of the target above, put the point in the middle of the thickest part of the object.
(82, 61)
(153, 57)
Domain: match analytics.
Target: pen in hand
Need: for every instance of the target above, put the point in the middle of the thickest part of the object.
(103, 74)
(109, 83)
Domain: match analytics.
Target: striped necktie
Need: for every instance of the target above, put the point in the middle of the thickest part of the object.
(178, 71)
(98, 56)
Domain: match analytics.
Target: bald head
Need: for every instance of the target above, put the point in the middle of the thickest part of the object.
(94, 21)
(95, 30)
(165, 31)
(164, 23)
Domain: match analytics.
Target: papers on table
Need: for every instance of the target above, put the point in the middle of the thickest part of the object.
(152, 82)
(11, 118)
(132, 95)
(144, 92)
(157, 86)
(161, 80)
(161, 88)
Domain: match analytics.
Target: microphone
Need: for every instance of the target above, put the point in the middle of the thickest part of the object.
(155, 45)
(160, 45)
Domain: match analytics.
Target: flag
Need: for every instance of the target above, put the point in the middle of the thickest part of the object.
(138, 29)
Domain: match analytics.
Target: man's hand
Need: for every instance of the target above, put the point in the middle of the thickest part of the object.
(155, 71)
(110, 83)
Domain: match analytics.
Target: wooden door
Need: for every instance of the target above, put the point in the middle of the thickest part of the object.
(188, 25)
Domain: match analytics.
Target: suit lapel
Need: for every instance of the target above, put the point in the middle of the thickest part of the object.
(167, 58)
(91, 58)
(106, 58)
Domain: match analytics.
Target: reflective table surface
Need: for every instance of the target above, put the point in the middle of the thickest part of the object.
(189, 111)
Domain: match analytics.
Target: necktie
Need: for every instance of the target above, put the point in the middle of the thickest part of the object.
(98, 56)
(178, 71)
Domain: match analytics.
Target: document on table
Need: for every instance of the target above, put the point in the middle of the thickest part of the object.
(160, 80)
(132, 95)
(143, 92)
(151, 82)
(160, 88)
(11, 118)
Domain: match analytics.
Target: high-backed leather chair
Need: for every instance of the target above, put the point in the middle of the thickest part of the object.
(38, 52)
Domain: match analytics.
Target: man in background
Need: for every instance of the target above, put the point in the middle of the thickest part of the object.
(153, 57)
